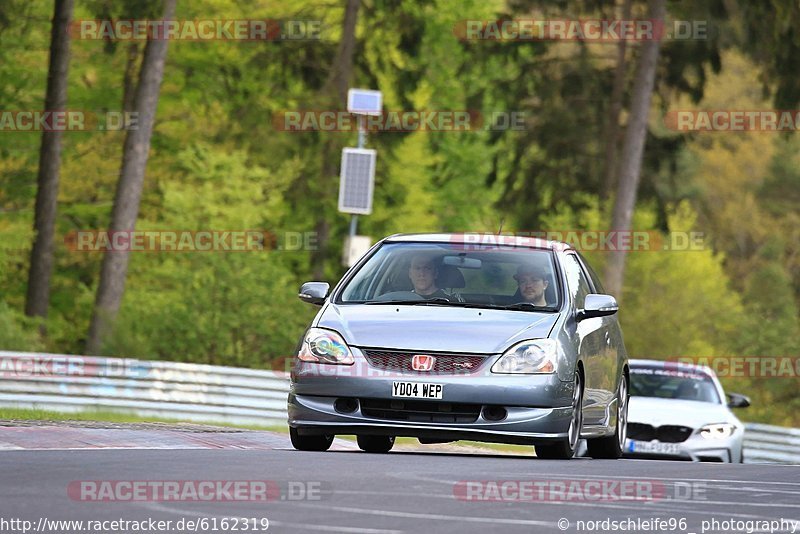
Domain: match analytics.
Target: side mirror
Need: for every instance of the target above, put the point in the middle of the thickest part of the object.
(597, 305)
(736, 400)
(314, 292)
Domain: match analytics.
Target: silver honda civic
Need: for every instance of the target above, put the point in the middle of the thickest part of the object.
(444, 337)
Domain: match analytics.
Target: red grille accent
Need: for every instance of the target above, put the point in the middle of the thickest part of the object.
(445, 363)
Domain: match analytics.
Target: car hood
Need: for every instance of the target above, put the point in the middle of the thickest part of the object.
(659, 412)
(434, 328)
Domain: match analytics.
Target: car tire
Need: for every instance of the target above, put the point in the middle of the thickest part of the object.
(612, 447)
(309, 443)
(379, 444)
(565, 449)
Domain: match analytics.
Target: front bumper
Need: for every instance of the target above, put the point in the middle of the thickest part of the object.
(537, 408)
(694, 449)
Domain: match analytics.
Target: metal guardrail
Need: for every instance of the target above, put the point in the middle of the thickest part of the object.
(182, 391)
(771, 444)
(193, 392)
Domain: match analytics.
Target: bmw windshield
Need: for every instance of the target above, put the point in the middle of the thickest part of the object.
(673, 384)
(454, 274)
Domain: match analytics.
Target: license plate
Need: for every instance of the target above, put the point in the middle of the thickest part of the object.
(417, 390)
(653, 447)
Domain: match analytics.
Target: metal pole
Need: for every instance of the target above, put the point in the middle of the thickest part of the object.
(353, 224)
(362, 140)
(362, 132)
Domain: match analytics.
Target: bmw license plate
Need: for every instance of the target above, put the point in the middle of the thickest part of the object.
(652, 447)
(417, 390)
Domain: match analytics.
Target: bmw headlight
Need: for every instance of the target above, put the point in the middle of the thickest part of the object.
(325, 346)
(718, 431)
(529, 357)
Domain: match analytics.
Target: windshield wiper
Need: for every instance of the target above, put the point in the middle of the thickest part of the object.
(435, 300)
(527, 306)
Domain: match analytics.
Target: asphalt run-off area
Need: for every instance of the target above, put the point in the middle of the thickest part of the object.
(223, 479)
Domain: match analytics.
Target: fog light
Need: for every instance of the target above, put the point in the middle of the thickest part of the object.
(494, 413)
(345, 405)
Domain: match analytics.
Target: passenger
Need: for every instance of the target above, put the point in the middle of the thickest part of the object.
(423, 272)
(532, 282)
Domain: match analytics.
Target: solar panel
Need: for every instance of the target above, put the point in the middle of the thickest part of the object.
(357, 180)
(364, 101)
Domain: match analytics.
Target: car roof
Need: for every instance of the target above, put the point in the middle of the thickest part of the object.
(480, 238)
(682, 366)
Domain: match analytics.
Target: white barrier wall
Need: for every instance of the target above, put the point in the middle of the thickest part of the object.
(183, 391)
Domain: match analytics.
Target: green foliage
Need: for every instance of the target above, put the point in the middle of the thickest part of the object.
(228, 308)
(234, 309)
(769, 35)
(678, 303)
(770, 301)
(17, 332)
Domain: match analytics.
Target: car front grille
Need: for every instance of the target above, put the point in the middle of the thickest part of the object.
(416, 411)
(641, 432)
(445, 363)
(673, 433)
(665, 434)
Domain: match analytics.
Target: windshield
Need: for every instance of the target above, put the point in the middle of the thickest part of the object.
(447, 274)
(673, 384)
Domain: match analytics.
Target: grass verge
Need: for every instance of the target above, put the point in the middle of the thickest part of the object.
(31, 414)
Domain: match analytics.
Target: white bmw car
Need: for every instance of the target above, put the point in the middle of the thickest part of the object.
(680, 411)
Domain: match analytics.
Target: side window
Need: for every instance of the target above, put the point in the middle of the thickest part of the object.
(577, 282)
(598, 286)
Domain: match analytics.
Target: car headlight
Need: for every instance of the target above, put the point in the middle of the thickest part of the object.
(325, 346)
(529, 357)
(718, 431)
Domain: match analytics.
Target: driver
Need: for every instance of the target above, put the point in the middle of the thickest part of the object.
(423, 272)
(532, 282)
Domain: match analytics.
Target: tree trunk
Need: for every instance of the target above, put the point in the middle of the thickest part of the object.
(633, 149)
(336, 89)
(614, 109)
(41, 268)
(129, 81)
(342, 70)
(129, 187)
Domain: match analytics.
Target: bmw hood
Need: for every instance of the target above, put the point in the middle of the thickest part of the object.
(434, 328)
(659, 412)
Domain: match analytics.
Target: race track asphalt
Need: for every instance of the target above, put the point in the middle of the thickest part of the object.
(414, 491)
